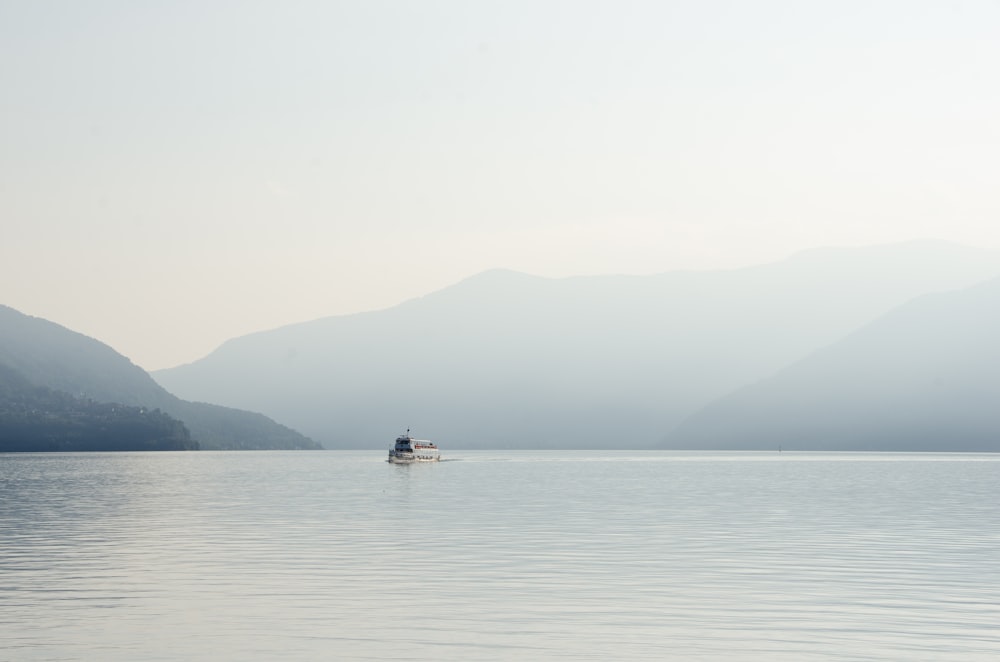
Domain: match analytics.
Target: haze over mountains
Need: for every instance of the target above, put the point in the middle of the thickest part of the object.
(44, 354)
(506, 360)
(925, 376)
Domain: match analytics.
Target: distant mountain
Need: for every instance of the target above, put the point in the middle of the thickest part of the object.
(51, 356)
(506, 360)
(925, 376)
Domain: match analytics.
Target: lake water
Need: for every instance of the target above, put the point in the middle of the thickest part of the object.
(499, 556)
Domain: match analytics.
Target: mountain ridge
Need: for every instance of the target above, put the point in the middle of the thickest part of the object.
(920, 377)
(510, 360)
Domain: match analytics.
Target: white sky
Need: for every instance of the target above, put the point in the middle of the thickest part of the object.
(174, 174)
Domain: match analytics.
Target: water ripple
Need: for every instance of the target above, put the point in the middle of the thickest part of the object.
(515, 555)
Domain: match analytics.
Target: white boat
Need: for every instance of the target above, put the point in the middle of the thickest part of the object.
(409, 450)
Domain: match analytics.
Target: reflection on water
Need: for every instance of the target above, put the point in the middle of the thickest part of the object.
(510, 555)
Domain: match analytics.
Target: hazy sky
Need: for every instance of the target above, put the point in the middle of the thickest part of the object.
(174, 174)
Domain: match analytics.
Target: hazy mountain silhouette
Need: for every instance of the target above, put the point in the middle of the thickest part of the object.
(926, 376)
(52, 356)
(509, 360)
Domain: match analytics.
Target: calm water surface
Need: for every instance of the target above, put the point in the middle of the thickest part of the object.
(499, 556)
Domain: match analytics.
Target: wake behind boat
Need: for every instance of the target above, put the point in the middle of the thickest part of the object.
(409, 450)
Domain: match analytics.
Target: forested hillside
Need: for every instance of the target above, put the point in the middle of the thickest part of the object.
(48, 355)
(37, 419)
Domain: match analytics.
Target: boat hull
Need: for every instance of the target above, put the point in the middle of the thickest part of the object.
(404, 458)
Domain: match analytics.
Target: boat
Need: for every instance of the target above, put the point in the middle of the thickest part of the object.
(409, 450)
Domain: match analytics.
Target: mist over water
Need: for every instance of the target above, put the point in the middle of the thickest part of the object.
(500, 555)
